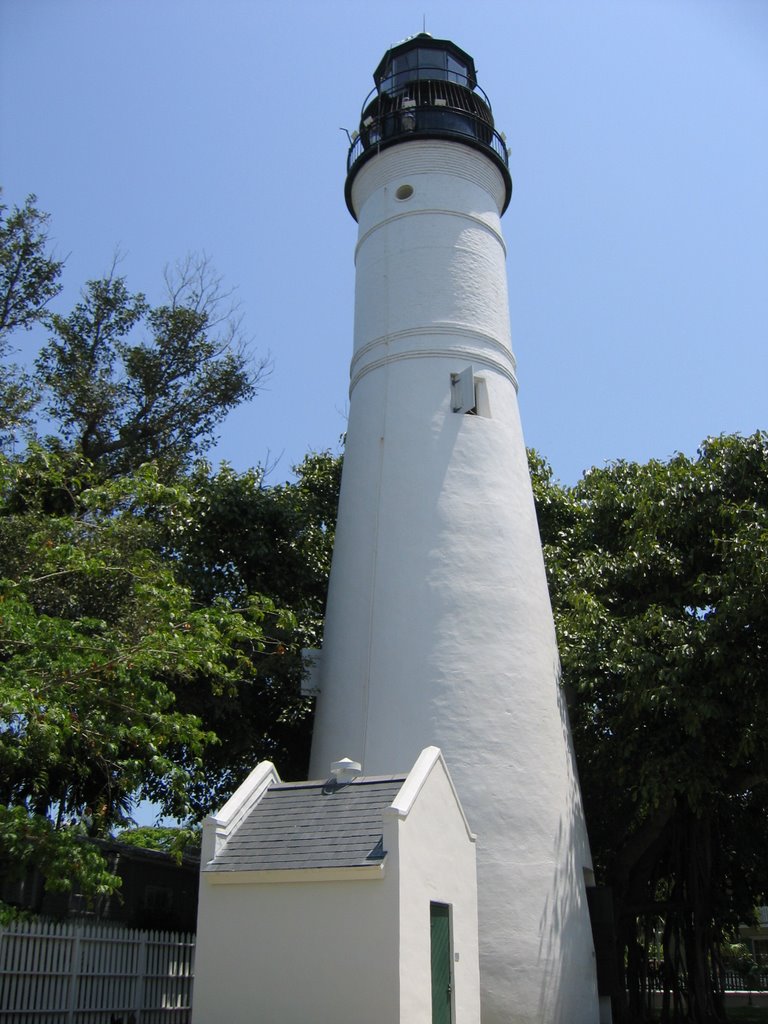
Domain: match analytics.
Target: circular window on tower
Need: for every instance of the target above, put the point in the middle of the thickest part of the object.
(404, 192)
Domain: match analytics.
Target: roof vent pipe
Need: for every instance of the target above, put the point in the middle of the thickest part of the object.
(345, 770)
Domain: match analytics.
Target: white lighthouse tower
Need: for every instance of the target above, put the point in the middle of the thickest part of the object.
(439, 628)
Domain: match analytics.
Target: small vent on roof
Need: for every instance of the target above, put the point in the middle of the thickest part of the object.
(345, 770)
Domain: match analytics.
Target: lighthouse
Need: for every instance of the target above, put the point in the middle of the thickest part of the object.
(439, 629)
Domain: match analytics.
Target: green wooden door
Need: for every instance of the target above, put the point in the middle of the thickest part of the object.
(440, 934)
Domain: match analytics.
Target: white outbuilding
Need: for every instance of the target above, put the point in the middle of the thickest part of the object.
(348, 899)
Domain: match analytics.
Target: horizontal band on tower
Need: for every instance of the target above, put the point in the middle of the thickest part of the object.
(457, 214)
(469, 354)
(446, 330)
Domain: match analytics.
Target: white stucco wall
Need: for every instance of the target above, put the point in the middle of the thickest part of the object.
(292, 953)
(439, 628)
(436, 857)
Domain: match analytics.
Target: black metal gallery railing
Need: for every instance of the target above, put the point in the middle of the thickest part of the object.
(427, 108)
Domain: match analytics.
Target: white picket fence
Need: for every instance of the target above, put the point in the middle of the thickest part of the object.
(94, 973)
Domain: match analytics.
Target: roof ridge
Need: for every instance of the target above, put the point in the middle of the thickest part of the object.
(320, 783)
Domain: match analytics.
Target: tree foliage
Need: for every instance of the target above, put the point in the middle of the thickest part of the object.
(32, 842)
(122, 381)
(97, 639)
(129, 383)
(152, 614)
(29, 276)
(175, 841)
(276, 541)
(148, 644)
(658, 575)
(29, 279)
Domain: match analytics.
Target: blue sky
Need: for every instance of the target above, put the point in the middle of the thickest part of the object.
(637, 232)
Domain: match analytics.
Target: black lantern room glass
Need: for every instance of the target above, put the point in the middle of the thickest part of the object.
(421, 64)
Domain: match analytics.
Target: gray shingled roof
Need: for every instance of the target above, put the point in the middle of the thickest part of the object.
(312, 825)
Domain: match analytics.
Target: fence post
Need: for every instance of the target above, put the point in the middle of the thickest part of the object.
(74, 972)
(138, 985)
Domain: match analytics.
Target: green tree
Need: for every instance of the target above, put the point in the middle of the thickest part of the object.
(658, 576)
(173, 840)
(132, 651)
(29, 279)
(254, 539)
(122, 381)
(128, 383)
(97, 639)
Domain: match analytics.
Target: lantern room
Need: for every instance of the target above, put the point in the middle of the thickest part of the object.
(426, 88)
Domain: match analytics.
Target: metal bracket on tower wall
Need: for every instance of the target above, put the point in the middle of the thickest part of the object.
(463, 390)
